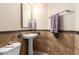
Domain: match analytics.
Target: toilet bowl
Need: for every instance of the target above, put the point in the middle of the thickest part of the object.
(12, 49)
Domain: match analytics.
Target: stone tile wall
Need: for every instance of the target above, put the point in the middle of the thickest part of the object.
(44, 42)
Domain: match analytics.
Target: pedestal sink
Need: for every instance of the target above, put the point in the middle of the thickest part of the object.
(30, 42)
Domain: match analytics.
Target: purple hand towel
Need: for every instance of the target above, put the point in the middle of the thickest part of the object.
(54, 23)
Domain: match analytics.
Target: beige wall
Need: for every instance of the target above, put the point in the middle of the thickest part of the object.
(40, 14)
(67, 19)
(77, 18)
(10, 18)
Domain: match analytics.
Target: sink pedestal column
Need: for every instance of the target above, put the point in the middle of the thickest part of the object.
(30, 46)
(30, 42)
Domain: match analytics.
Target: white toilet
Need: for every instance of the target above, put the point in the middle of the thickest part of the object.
(13, 49)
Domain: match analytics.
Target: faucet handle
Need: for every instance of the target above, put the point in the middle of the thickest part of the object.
(20, 36)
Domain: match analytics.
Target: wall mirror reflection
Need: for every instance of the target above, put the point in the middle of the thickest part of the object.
(26, 14)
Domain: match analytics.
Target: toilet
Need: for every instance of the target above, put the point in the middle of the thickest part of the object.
(12, 49)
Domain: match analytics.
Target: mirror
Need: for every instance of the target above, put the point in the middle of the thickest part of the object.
(26, 14)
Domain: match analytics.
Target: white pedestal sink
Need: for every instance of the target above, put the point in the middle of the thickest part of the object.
(30, 42)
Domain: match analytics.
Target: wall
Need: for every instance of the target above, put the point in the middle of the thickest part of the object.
(67, 19)
(40, 13)
(77, 29)
(77, 17)
(45, 42)
(10, 18)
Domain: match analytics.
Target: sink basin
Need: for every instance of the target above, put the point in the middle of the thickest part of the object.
(31, 35)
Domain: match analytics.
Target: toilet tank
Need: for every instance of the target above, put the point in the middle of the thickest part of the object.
(13, 49)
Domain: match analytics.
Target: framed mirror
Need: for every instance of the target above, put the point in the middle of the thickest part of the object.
(25, 14)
